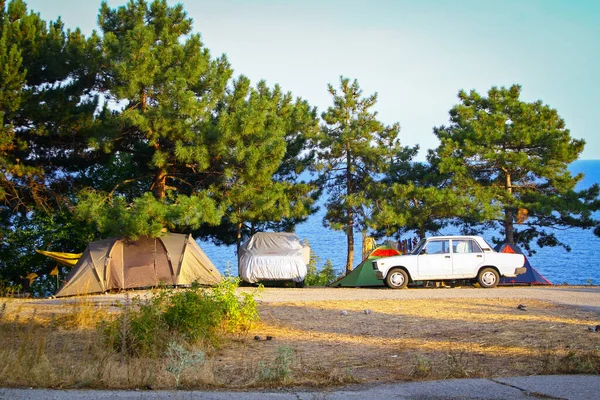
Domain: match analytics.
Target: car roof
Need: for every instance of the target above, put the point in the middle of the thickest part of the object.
(455, 237)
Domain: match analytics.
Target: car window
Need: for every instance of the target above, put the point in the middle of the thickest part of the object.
(465, 246)
(419, 247)
(438, 247)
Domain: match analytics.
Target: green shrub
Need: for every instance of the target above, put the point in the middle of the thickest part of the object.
(140, 329)
(279, 369)
(322, 277)
(144, 328)
(193, 314)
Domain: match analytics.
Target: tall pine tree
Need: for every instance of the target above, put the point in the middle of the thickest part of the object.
(165, 85)
(258, 162)
(47, 103)
(354, 147)
(514, 156)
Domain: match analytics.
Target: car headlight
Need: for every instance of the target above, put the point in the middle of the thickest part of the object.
(377, 265)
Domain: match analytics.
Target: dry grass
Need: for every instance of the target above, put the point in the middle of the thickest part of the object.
(58, 346)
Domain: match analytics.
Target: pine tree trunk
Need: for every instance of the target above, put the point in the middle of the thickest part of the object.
(159, 188)
(508, 226)
(350, 236)
(350, 220)
(509, 215)
(239, 235)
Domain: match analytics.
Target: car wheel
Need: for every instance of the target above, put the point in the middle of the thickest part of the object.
(396, 279)
(488, 278)
(300, 284)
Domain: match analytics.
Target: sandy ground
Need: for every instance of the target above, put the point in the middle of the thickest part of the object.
(587, 297)
(409, 334)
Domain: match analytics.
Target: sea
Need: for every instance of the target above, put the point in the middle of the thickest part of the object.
(580, 266)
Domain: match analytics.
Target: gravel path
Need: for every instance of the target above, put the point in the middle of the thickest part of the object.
(587, 297)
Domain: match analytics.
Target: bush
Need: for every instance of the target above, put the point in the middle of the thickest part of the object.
(280, 369)
(140, 329)
(322, 277)
(192, 315)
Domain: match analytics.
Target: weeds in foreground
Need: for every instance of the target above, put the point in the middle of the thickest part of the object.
(280, 369)
(194, 315)
(38, 352)
(573, 362)
(422, 368)
(457, 364)
(181, 359)
(83, 313)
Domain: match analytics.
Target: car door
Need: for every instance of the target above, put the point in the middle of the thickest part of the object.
(467, 257)
(435, 260)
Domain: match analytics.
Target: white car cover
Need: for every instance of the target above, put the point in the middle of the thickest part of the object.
(272, 256)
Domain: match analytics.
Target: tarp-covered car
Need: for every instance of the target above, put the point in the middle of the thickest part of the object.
(274, 256)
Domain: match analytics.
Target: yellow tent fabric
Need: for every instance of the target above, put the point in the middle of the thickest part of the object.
(31, 276)
(68, 259)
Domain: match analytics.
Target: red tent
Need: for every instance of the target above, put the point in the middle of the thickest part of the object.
(530, 277)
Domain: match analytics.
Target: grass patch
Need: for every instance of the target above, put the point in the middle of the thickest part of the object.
(49, 343)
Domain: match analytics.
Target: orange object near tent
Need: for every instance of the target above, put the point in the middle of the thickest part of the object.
(531, 275)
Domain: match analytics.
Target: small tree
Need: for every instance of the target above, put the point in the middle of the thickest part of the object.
(353, 149)
(514, 157)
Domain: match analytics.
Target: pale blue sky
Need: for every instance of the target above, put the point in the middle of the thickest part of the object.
(416, 54)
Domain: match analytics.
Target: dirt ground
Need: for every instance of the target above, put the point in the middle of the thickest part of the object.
(340, 336)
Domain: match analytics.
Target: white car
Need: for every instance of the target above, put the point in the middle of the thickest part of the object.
(441, 258)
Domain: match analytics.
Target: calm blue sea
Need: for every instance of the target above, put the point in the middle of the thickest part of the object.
(579, 266)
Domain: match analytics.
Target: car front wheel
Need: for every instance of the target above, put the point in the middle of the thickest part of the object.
(488, 278)
(396, 279)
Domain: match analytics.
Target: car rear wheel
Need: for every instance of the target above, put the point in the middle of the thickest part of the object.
(488, 278)
(396, 279)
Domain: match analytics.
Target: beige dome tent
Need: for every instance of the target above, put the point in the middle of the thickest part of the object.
(173, 259)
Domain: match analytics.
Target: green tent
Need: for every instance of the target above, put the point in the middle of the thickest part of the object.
(364, 274)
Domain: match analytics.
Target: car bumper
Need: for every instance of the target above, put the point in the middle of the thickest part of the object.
(379, 275)
(519, 271)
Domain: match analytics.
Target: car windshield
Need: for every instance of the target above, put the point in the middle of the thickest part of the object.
(489, 245)
(417, 249)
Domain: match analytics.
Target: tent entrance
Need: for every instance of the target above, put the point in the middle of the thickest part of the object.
(145, 262)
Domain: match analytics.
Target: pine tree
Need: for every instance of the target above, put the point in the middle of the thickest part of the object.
(514, 157)
(167, 86)
(415, 197)
(256, 158)
(353, 148)
(47, 104)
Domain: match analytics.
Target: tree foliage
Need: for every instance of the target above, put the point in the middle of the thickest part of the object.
(414, 198)
(256, 182)
(167, 86)
(513, 157)
(47, 104)
(353, 148)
